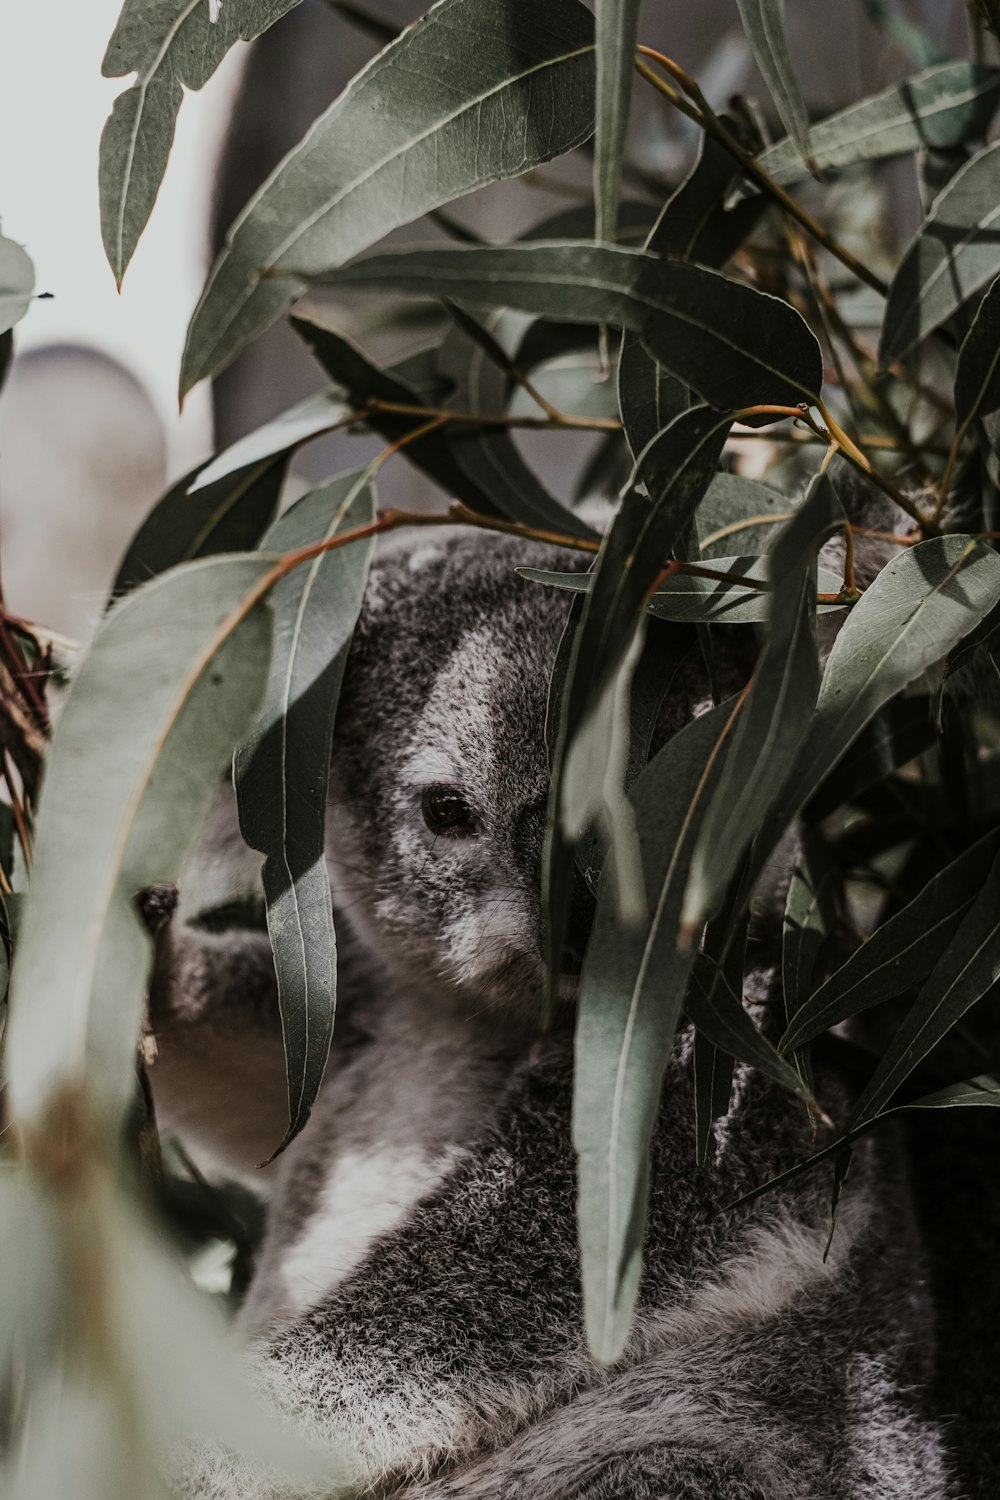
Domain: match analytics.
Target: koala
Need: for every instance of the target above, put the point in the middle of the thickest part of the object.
(416, 1303)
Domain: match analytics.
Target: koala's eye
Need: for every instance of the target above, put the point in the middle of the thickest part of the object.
(446, 811)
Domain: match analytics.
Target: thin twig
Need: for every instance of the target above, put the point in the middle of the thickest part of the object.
(702, 113)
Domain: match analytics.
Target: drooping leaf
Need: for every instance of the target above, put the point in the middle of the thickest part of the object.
(977, 378)
(901, 952)
(764, 24)
(230, 515)
(731, 344)
(939, 108)
(725, 943)
(282, 769)
(169, 684)
(783, 694)
(617, 22)
(631, 992)
(168, 46)
(427, 121)
(670, 477)
(955, 254)
(307, 419)
(17, 282)
(968, 967)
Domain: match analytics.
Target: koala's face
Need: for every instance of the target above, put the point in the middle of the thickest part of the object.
(440, 775)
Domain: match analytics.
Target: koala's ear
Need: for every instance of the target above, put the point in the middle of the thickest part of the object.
(157, 904)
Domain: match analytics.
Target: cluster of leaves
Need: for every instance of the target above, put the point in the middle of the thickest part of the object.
(748, 340)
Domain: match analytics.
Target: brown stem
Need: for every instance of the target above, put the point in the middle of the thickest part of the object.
(494, 419)
(703, 114)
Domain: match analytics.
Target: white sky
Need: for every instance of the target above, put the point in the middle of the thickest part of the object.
(53, 104)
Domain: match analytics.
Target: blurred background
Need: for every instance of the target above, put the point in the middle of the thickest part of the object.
(90, 432)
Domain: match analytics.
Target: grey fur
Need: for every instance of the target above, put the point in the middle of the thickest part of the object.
(417, 1302)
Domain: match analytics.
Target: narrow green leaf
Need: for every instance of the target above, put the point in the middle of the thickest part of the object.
(168, 46)
(488, 455)
(169, 684)
(720, 1016)
(977, 378)
(688, 598)
(670, 477)
(631, 991)
(692, 225)
(969, 966)
(307, 419)
(617, 23)
(921, 604)
(956, 252)
(811, 912)
(230, 515)
(426, 121)
(939, 108)
(783, 694)
(731, 344)
(901, 952)
(713, 1088)
(17, 282)
(974, 1093)
(283, 766)
(362, 381)
(764, 24)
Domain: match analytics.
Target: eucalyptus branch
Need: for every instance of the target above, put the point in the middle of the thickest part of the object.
(698, 109)
(556, 418)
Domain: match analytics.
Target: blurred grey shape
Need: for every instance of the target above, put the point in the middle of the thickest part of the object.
(82, 460)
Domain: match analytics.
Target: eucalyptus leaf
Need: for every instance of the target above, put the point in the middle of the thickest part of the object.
(968, 967)
(901, 952)
(17, 282)
(811, 913)
(670, 477)
(731, 344)
(363, 381)
(616, 27)
(230, 515)
(940, 108)
(977, 378)
(955, 254)
(168, 46)
(487, 455)
(764, 24)
(720, 1016)
(282, 769)
(741, 512)
(921, 604)
(897, 734)
(782, 696)
(910, 38)
(169, 684)
(631, 992)
(426, 121)
(686, 597)
(305, 420)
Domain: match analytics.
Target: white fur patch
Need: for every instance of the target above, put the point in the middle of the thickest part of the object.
(366, 1194)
